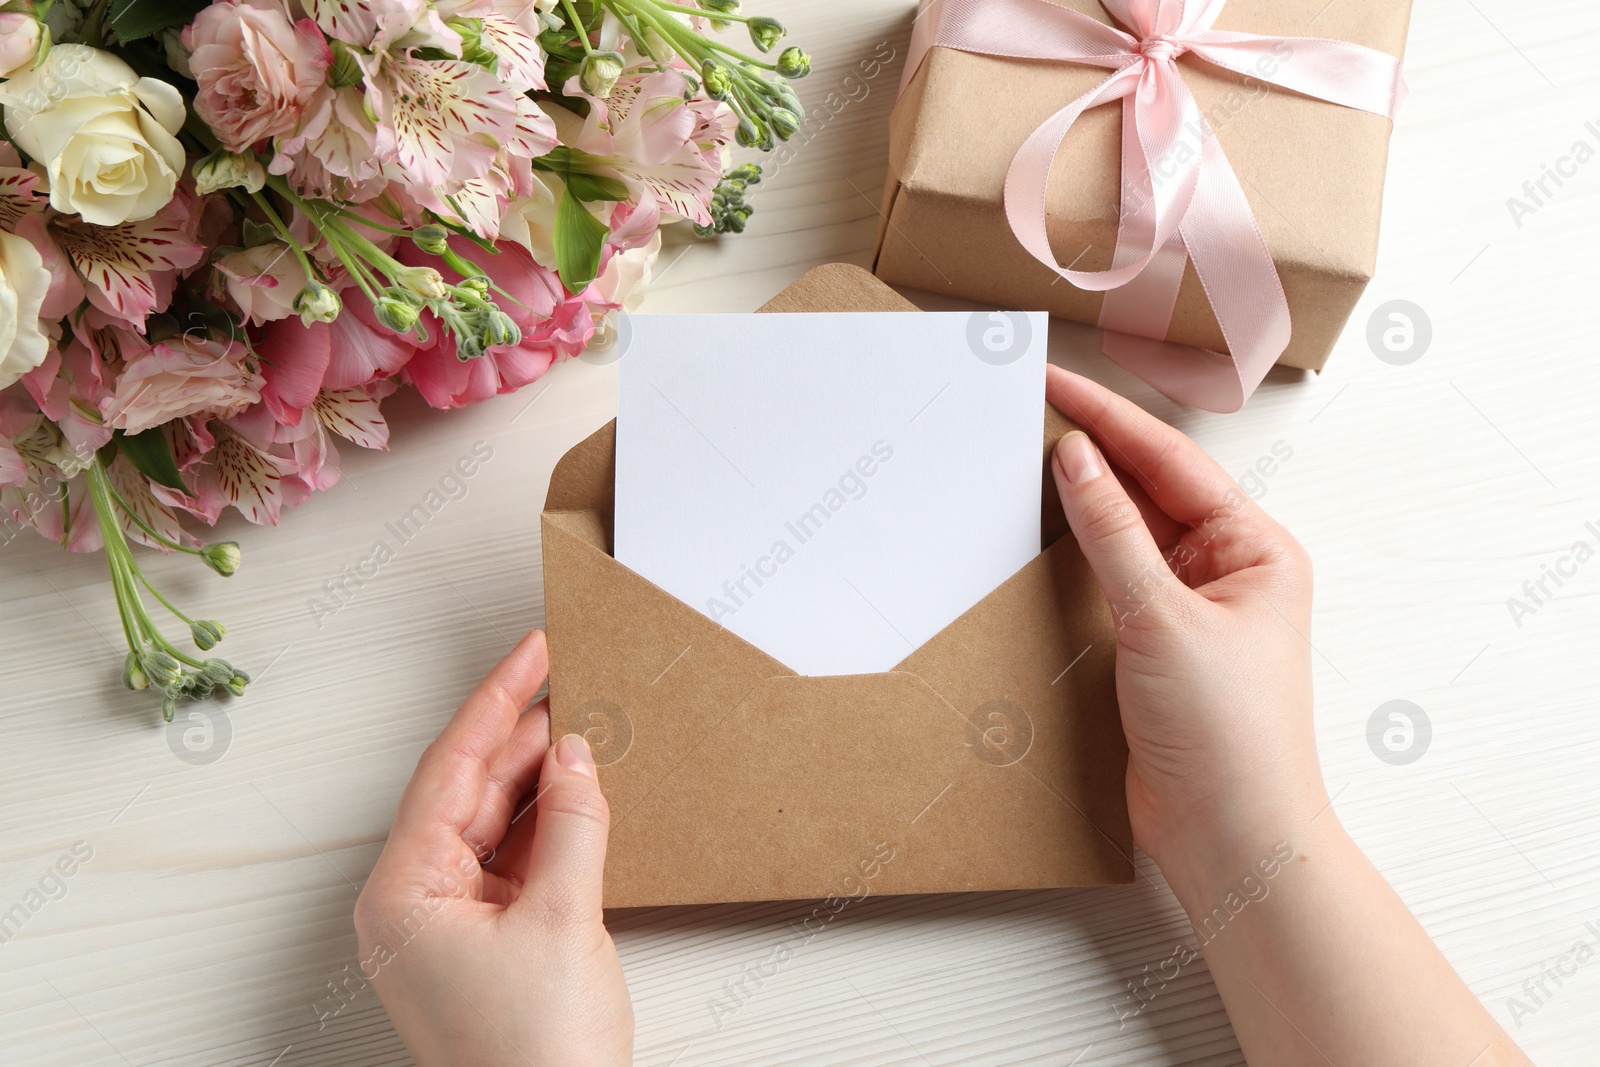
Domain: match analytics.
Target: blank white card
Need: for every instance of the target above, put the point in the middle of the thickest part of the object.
(833, 488)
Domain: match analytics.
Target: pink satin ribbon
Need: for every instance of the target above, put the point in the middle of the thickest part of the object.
(1196, 209)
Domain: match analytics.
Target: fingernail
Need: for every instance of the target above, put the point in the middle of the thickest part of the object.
(572, 752)
(1079, 459)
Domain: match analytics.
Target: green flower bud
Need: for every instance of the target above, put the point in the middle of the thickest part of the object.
(229, 170)
(160, 668)
(222, 557)
(752, 133)
(432, 239)
(237, 683)
(217, 671)
(196, 686)
(784, 122)
(502, 330)
(599, 72)
(206, 633)
(317, 303)
(397, 315)
(423, 281)
(765, 32)
(478, 283)
(133, 675)
(169, 704)
(786, 97)
(793, 63)
(749, 173)
(718, 79)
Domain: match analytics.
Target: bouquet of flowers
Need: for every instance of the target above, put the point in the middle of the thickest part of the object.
(229, 230)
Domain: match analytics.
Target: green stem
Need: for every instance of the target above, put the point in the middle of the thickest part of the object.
(660, 25)
(368, 251)
(578, 27)
(283, 231)
(145, 526)
(115, 546)
(701, 12)
(352, 265)
(137, 626)
(164, 601)
(731, 51)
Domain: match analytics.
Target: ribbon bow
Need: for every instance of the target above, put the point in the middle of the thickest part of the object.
(1180, 201)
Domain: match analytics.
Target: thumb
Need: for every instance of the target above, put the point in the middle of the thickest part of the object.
(1109, 528)
(569, 836)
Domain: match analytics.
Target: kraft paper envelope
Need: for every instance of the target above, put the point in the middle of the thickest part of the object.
(990, 758)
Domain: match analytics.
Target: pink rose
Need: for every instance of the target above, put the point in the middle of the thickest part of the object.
(257, 70)
(184, 376)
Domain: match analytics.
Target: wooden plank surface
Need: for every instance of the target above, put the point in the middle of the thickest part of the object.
(213, 909)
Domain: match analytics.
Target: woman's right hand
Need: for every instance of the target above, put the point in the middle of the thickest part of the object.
(1212, 602)
(1213, 606)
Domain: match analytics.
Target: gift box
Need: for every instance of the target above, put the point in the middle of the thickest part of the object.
(991, 758)
(1310, 166)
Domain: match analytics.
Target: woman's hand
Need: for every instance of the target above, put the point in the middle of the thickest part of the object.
(482, 918)
(1212, 601)
(1317, 960)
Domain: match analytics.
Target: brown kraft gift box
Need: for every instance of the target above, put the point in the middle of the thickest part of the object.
(1312, 171)
(990, 758)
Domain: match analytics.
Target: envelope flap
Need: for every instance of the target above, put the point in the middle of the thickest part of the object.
(585, 478)
(839, 786)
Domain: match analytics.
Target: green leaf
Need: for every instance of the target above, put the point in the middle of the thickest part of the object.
(133, 20)
(578, 237)
(596, 187)
(152, 455)
(581, 171)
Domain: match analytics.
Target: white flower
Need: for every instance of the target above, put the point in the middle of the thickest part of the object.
(627, 275)
(265, 281)
(530, 220)
(24, 283)
(104, 135)
(229, 170)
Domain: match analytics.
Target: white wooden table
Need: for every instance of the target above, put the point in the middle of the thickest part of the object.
(213, 909)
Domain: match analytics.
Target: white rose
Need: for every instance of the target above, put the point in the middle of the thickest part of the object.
(24, 283)
(104, 135)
